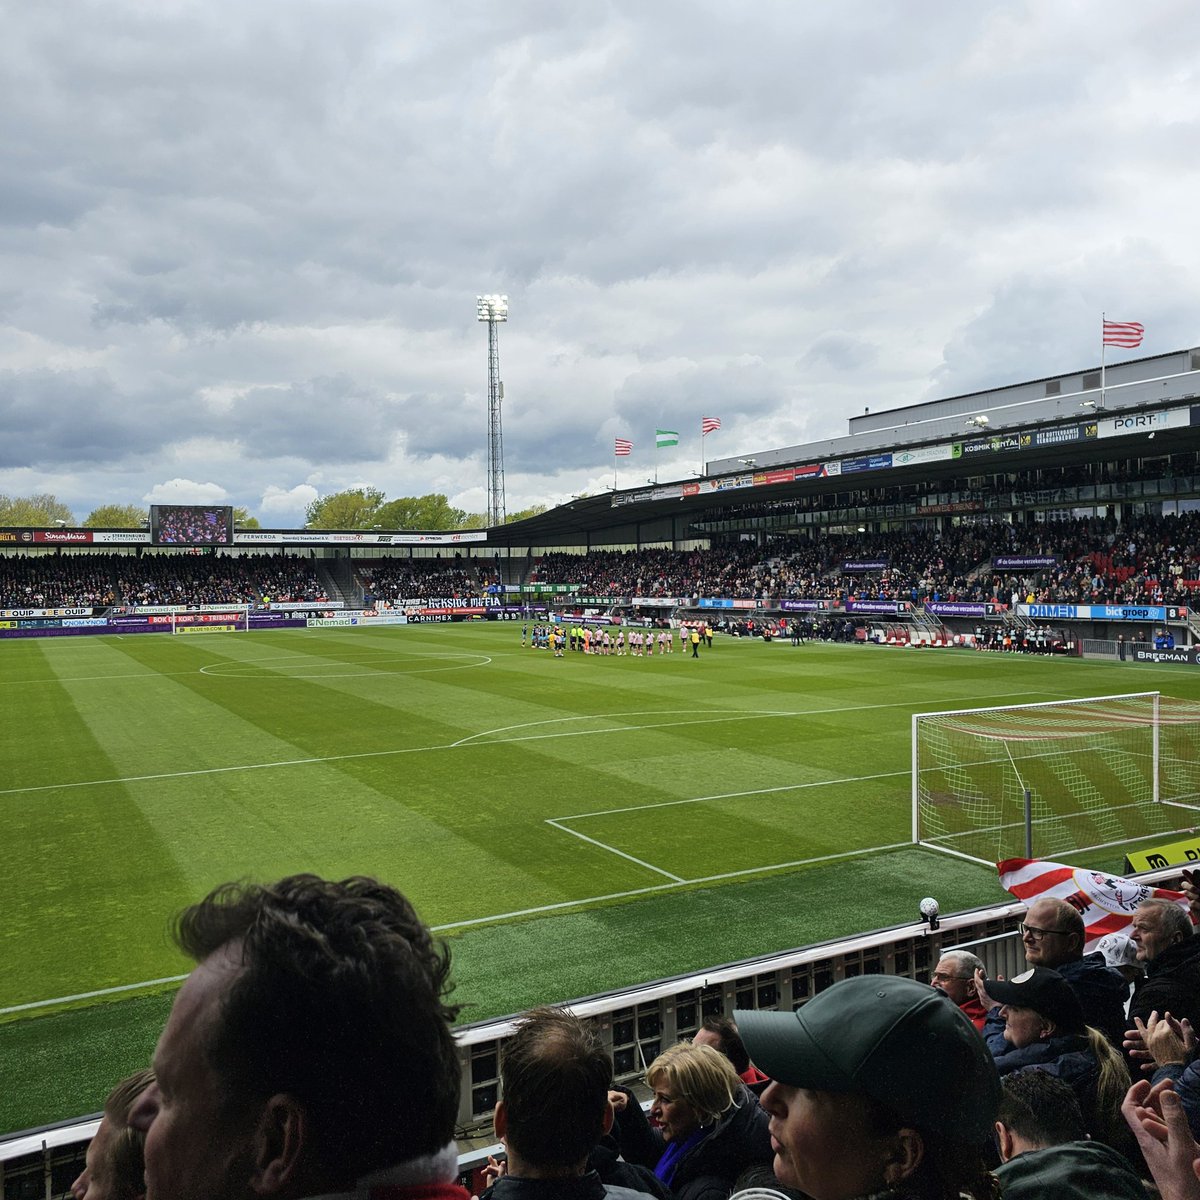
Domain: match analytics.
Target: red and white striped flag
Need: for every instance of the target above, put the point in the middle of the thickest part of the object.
(709, 425)
(622, 447)
(1106, 902)
(1123, 333)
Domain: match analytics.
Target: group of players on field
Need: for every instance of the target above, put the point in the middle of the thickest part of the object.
(640, 643)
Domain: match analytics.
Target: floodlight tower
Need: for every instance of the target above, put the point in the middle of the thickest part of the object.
(494, 310)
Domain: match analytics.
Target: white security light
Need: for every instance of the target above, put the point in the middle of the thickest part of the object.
(491, 308)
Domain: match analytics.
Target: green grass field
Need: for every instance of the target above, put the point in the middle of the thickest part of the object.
(572, 825)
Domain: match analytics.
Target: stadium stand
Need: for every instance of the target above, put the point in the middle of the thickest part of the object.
(1141, 559)
(401, 579)
(53, 581)
(185, 579)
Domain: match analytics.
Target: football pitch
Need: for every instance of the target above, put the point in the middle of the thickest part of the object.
(572, 825)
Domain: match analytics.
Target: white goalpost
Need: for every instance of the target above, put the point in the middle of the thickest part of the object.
(1036, 780)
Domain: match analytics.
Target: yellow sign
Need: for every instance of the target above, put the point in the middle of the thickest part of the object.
(206, 629)
(1173, 854)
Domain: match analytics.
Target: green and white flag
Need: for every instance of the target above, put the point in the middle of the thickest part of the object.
(666, 437)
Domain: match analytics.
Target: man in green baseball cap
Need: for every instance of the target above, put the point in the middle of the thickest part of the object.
(878, 1082)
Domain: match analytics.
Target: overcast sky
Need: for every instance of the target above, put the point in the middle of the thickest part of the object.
(241, 243)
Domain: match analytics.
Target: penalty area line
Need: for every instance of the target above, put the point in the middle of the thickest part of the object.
(583, 837)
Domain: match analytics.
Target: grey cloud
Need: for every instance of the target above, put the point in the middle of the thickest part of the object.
(841, 351)
(52, 419)
(330, 420)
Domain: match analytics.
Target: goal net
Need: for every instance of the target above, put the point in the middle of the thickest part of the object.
(990, 783)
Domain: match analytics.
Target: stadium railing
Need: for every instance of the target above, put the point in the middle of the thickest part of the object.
(635, 1023)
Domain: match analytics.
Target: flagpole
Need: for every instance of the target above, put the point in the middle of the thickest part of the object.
(1103, 341)
(707, 425)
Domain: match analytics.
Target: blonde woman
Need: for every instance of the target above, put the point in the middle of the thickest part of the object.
(707, 1125)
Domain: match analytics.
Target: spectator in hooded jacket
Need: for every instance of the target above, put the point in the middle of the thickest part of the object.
(1044, 1148)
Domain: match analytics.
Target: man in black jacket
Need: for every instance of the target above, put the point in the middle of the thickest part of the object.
(1168, 949)
(553, 1111)
(1053, 934)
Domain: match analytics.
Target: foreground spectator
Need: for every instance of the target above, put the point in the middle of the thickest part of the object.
(1044, 1149)
(309, 1049)
(710, 1126)
(554, 1110)
(877, 1083)
(1053, 935)
(114, 1168)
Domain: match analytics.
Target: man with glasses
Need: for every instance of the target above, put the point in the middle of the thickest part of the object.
(955, 975)
(1053, 936)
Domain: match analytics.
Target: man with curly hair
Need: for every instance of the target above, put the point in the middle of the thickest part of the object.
(308, 1054)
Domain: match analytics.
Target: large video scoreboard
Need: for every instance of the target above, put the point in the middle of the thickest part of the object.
(191, 525)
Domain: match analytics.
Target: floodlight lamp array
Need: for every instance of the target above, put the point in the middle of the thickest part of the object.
(491, 308)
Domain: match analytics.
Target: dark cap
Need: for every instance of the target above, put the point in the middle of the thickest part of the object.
(1046, 992)
(892, 1039)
